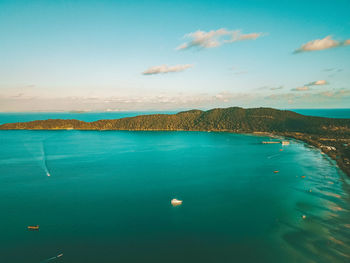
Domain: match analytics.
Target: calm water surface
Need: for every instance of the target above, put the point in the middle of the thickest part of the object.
(88, 116)
(108, 199)
(329, 113)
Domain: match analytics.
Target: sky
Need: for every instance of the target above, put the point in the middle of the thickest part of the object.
(60, 55)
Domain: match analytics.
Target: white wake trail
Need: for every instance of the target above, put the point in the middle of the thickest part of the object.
(44, 159)
(49, 259)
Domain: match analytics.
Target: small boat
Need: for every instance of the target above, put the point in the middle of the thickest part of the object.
(33, 227)
(285, 143)
(176, 202)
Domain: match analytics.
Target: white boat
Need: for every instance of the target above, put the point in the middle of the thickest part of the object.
(285, 143)
(176, 202)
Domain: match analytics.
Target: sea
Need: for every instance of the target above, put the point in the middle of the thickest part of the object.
(105, 196)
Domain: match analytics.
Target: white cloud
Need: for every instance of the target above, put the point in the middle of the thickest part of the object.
(215, 38)
(307, 86)
(166, 69)
(237, 36)
(317, 83)
(321, 44)
(304, 88)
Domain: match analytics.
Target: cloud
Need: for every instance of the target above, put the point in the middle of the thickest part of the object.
(215, 38)
(224, 96)
(321, 44)
(333, 98)
(333, 71)
(237, 36)
(336, 93)
(176, 101)
(166, 69)
(317, 83)
(304, 88)
(276, 88)
(307, 86)
(271, 88)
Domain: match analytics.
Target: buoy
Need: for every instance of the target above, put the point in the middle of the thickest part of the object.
(304, 216)
(303, 176)
(176, 202)
(276, 171)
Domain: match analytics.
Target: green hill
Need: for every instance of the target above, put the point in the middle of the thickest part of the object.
(230, 119)
(332, 136)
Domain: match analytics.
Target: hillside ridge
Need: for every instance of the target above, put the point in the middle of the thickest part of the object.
(330, 135)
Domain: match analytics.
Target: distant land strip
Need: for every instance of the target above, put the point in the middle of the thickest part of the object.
(330, 135)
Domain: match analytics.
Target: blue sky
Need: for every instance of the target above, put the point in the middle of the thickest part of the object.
(127, 55)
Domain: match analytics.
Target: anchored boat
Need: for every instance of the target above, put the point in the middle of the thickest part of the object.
(33, 227)
(176, 202)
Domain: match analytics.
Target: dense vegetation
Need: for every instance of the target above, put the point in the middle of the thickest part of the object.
(332, 136)
(230, 119)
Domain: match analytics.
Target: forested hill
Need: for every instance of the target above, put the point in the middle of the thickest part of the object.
(229, 119)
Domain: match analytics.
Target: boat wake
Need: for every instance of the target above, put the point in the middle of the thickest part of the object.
(273, 156)
(49, 259)
(44, 164)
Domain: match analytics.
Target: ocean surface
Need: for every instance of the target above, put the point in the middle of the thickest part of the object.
(88, 116)
(108, 195)
(329, 113)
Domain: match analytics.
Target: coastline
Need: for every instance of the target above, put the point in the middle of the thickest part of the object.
(330, 135)
(331, 149)
(342, 162)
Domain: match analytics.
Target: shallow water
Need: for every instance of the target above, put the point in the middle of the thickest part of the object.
(108, 199)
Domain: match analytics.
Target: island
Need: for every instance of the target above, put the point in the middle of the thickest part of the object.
(330, 135)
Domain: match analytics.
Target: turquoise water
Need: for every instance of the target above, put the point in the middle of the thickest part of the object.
(108, 199)
(329, 113)
(88, 116)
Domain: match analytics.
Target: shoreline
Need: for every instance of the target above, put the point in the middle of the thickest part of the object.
(330, 135)
(334, 154)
